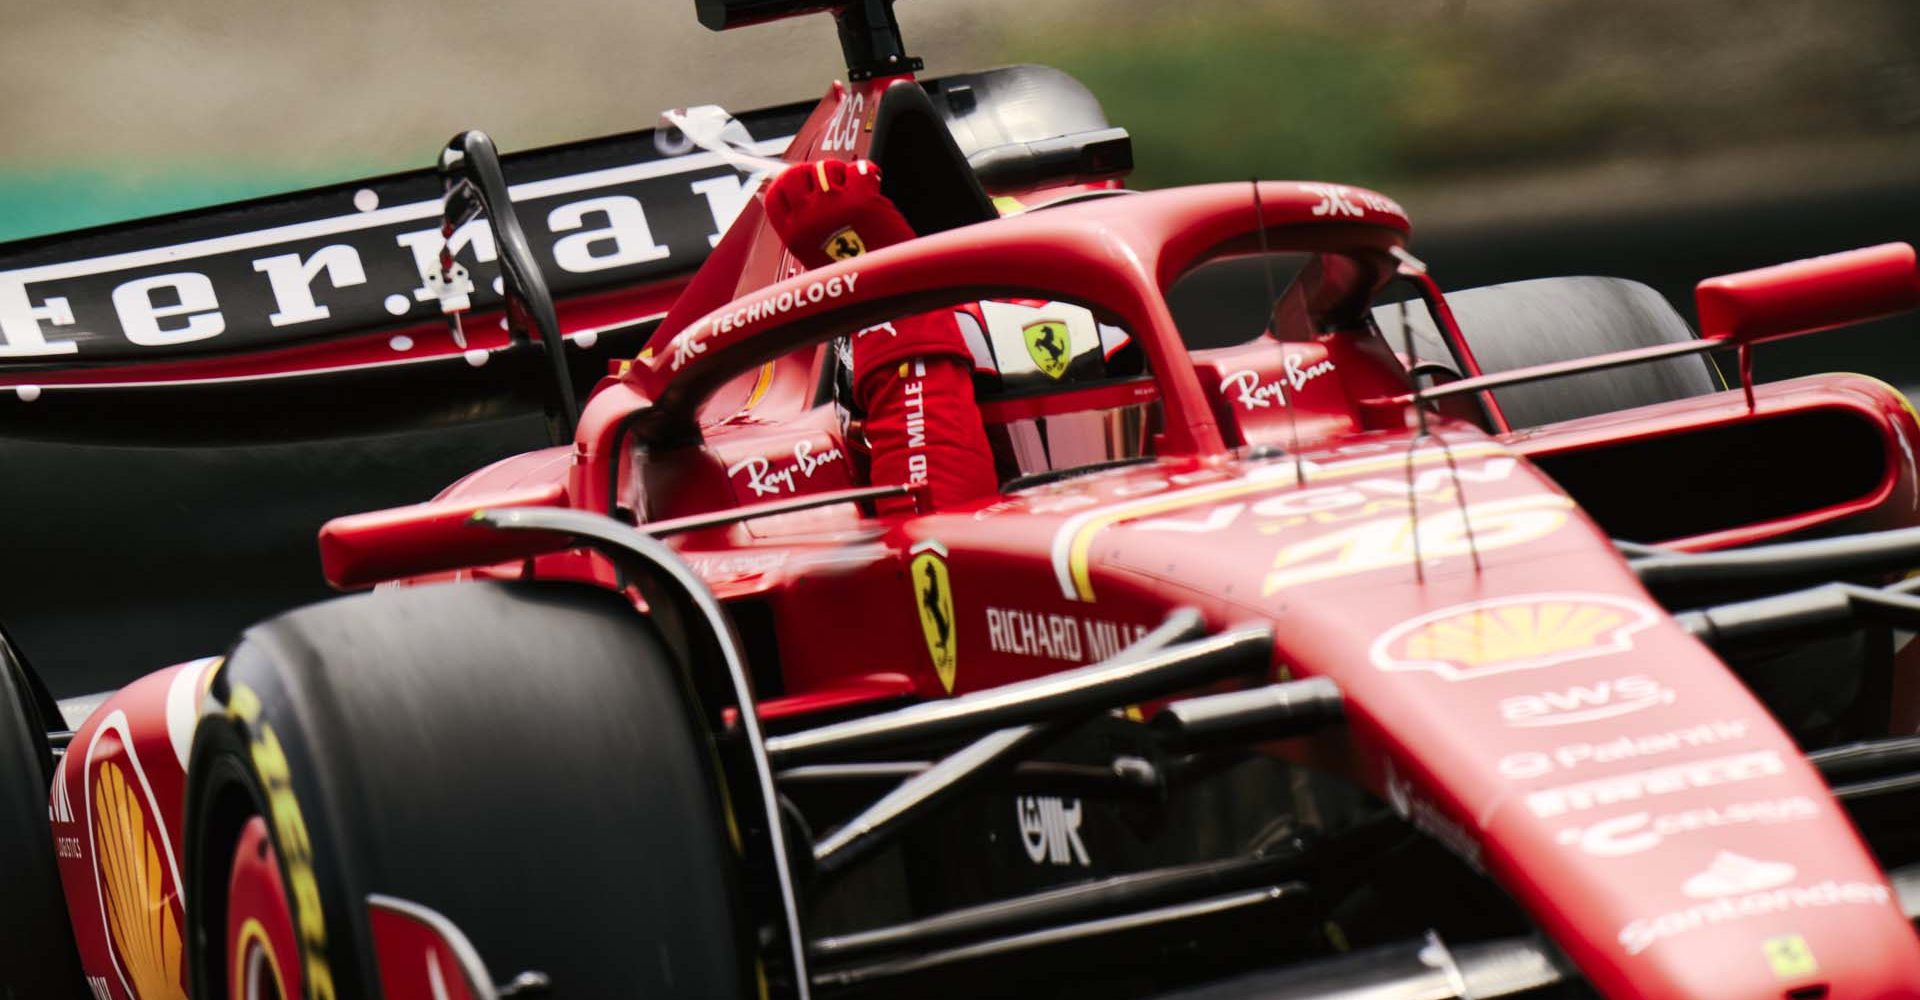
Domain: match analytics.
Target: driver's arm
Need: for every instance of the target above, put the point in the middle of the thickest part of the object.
(913, 376)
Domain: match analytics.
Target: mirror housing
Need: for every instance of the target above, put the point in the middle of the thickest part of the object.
(360, 550)
(1806, 296)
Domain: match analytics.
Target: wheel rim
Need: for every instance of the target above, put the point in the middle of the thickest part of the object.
(260, 939)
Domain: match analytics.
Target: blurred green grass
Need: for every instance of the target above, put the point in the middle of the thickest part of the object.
(47, 201)
(1397, 94)
(1236, 96)
(1425, 91)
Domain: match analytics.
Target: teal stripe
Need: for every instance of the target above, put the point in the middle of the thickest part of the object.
(36, 203)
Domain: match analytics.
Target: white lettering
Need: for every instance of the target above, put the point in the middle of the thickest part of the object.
(1389, 542)
(292, 281)
(20, 333)
(1106, 639)
(1050, 830)
(628, 238)
(1659, 781)
(916, 406)
(1427, 817)
(1361, 497)
(1249, 393)
(1058, 637)
(1376, 202)
(737, 564)
(1335, 199)
(1638, 832)
(843, 129)
(764, 480)
(727, 195)
(1642, 934)
(1298, 377)
(1585, 703)
(140, 316)
(1533, 764)
(686, 347)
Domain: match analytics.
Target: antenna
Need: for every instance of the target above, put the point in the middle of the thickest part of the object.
(1273, 300)
(1410, 266)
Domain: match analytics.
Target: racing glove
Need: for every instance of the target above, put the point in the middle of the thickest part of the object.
(912, 376)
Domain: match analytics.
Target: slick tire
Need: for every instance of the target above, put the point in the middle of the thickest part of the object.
(1534, 322)
(37, 954)
(520, 758)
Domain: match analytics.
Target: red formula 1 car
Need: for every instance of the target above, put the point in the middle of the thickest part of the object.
(1326, 636)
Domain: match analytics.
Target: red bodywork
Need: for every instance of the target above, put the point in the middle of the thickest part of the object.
(1510, 687)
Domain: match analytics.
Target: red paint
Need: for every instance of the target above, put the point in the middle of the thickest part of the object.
(417, 961)
(1807, 296)
(1893, 503)
(879, 691)
(261, 945)
(125, 744)
(1450, 329)
(1062, 574)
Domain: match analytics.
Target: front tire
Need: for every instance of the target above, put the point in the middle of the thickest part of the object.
(521, 758)
(1525, 323)
(37, 954)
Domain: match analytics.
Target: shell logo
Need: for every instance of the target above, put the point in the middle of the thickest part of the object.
(139, 905)
(1483, 638)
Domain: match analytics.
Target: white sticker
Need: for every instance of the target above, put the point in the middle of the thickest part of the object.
(1638, 832)
(1618, 788)
(1535, 763)
(1605, 699)
(1735, 888)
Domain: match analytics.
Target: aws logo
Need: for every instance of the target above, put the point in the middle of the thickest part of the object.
(933, 600)
(1606, 699)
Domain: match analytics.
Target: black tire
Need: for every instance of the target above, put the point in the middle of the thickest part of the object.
(1559, 319)
(37, 955)
(519, 757)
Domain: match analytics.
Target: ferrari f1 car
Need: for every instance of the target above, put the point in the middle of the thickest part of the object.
(1328, 636)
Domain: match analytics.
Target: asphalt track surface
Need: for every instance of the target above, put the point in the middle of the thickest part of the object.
(119, 560)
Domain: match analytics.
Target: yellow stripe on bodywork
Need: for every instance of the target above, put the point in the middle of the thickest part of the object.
(1074, 541)
(1890, 387)
(760, 386)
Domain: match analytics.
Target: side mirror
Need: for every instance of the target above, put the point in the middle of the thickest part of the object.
(1806, 296)
(360, 550)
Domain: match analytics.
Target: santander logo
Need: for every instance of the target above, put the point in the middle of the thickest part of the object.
(1732, 873)
(1734, 888)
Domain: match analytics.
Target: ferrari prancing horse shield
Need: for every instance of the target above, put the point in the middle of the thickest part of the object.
(933, 599)
(844, 244)
(1050, 346)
